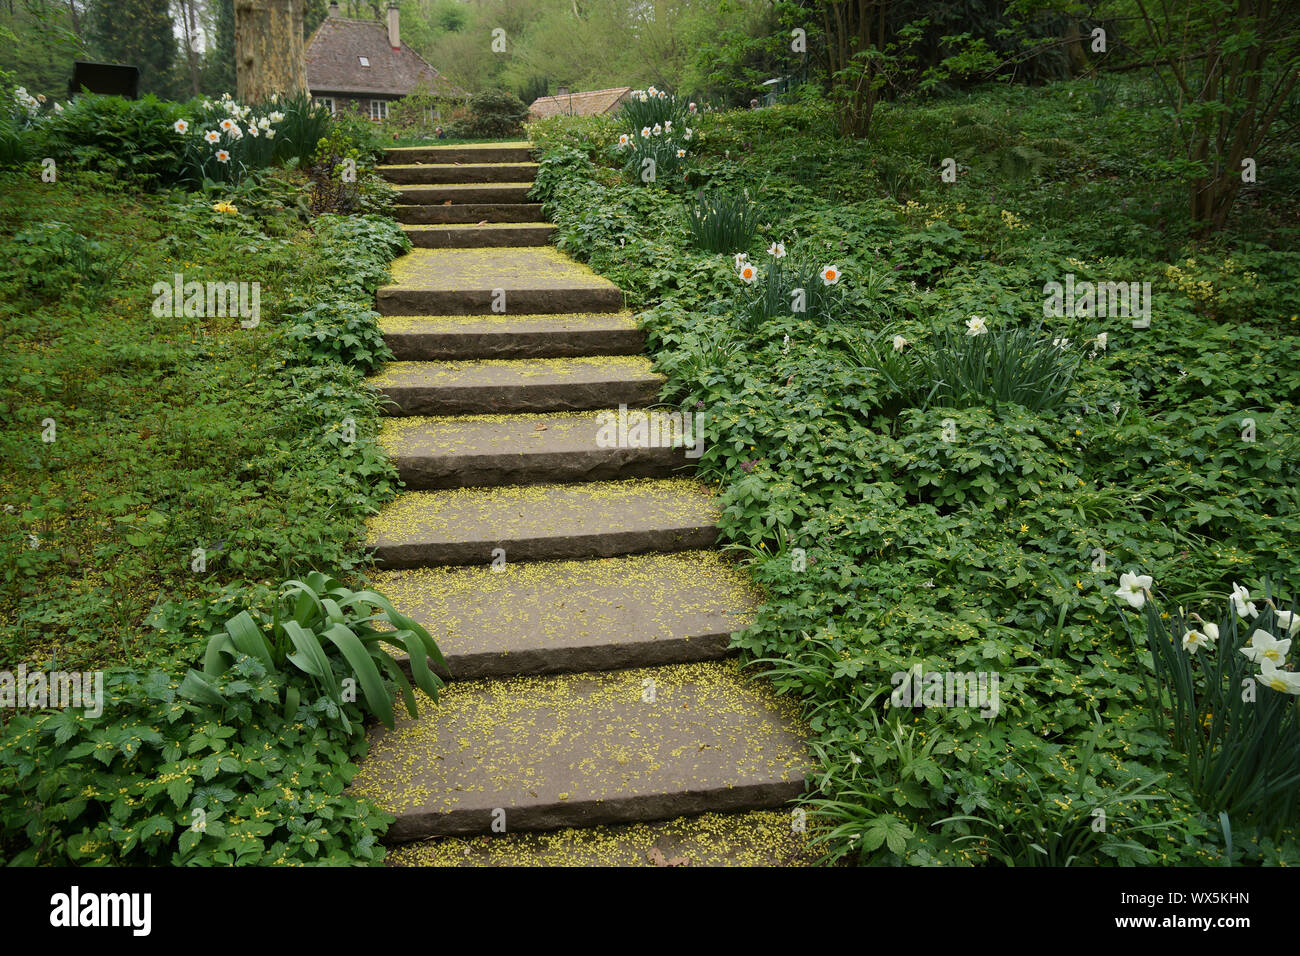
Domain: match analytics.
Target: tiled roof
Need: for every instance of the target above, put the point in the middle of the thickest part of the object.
(590, 103)
(333, 64)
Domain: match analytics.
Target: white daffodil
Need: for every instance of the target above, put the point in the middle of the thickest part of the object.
(748, 273)
(1264, 646)
(830, 275)
(1289, 622)
(1061, 343)
(270, 134)
(681, 154)
(277, 116)
(212, 136)
(1133, 589)
(264, 123)
(668, 126)
(658, 130)
(645, 132)
(1195, 640)
(688, 134)
(976, 325)
(776, 250)
(253, 132)
(900, 343)
(741, 259)
(1241, 602)
(1100, 341)
(623, 140)
(1211, 631)
(1287, 682)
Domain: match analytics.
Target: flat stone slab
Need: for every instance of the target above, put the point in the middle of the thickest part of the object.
(431, 337)
(538, 753)
(514, 152)
(468, 213)
(437, 173)
(481, 450)
(523, 280)
(517, 385)
(757, 838)
(457, 193)
(460, 235)
(542, 617)
(543, 522)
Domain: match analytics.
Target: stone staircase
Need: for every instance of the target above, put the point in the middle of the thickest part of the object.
(570, 586)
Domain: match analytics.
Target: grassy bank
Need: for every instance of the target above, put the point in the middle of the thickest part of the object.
(903, 510)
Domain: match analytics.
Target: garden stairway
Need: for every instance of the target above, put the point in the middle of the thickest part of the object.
(571, 587)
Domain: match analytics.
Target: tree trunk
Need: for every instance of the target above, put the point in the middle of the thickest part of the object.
(270, 56)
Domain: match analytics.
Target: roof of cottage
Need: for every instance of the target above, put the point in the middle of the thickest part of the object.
(590, 103)
(334, 62)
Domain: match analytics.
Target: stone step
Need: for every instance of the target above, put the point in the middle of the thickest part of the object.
(432, 337)
(539, 753)
(759, 838)
(521, 152)
(498, 386)
(478, 236)
(461, 193)
(553, 447)
(434, 174)
(523, 280)
(545, 617)
(543, 522)
(468, 213)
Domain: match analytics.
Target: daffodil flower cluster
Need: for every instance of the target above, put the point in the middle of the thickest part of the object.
(226, 135)
(1263, 648)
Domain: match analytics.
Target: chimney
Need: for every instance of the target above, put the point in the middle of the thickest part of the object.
(394, 35)
(334, 8)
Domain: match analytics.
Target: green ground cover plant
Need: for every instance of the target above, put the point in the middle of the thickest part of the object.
(943, 474)
(175, 488)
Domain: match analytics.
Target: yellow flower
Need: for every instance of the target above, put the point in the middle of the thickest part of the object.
(224, 206)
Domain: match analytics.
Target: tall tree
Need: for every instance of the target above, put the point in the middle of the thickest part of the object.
(137, 33)
(270, 56)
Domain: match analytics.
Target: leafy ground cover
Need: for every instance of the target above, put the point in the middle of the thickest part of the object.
(925, 469)
(166, 469)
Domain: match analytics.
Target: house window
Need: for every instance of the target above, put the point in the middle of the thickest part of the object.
(327, 102)
(379, 109)
(365, 60)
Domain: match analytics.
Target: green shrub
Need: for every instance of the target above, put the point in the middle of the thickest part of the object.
(493, 114)
(130, 139)
(338, 330)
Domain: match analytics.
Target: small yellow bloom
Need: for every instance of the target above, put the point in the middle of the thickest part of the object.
(224, 206)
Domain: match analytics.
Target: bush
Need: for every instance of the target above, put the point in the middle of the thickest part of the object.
(493, 114)
(129, 139)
